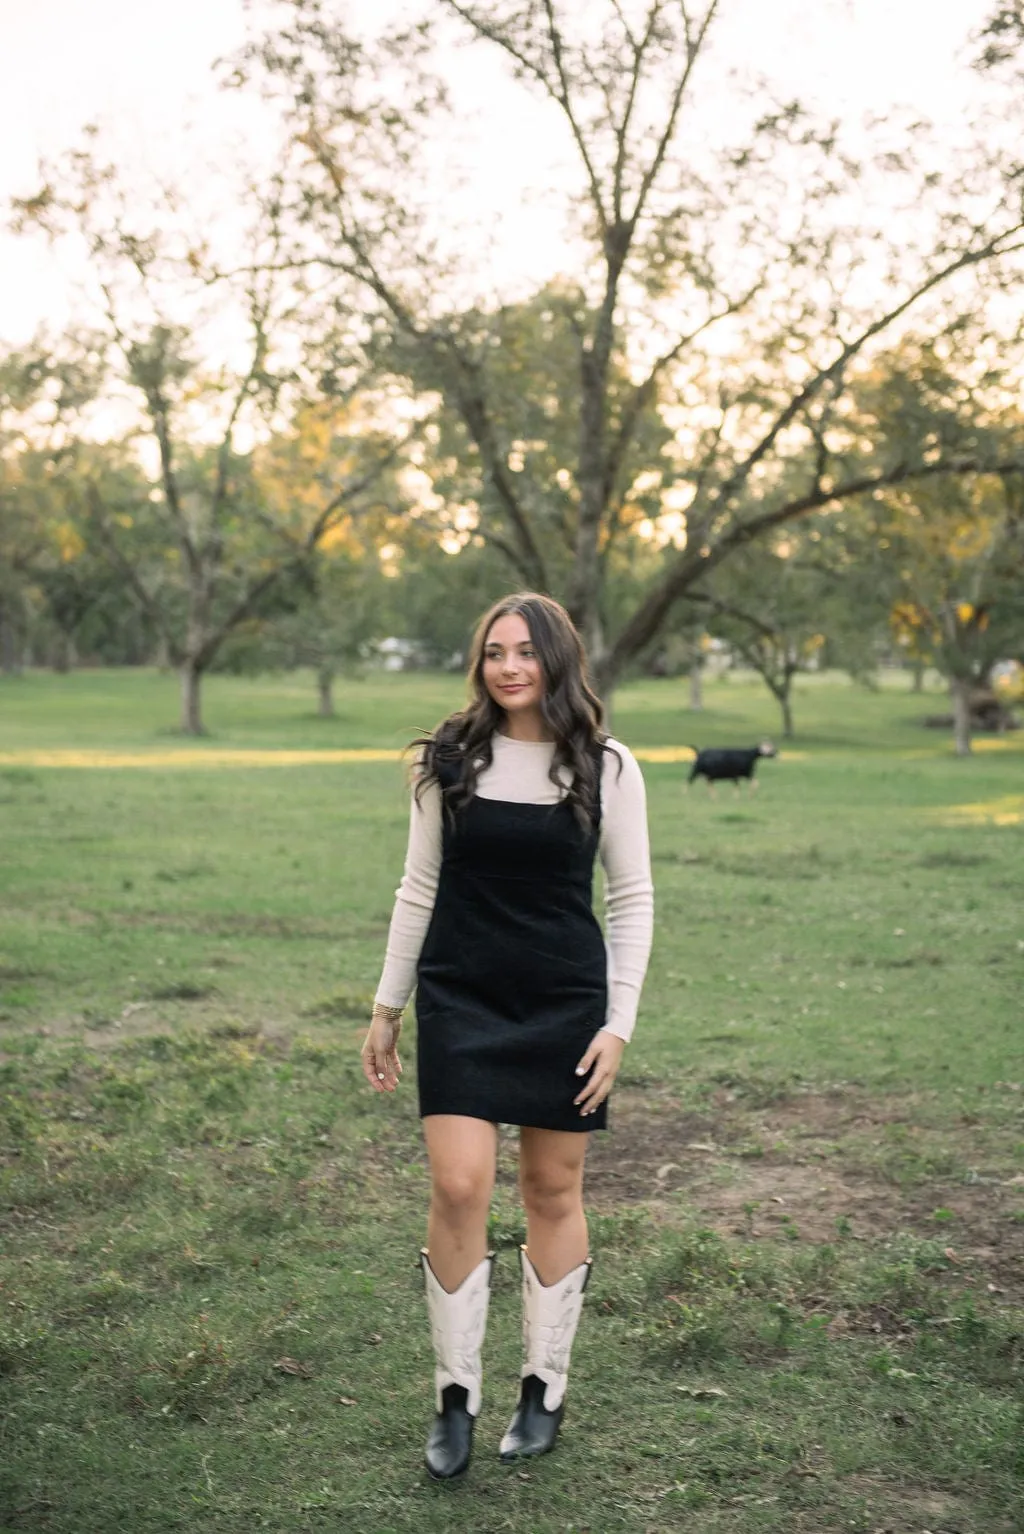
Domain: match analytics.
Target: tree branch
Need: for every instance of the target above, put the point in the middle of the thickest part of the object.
(694, 46)
(731, 611)
(318, 528)
(559, 92)
(698, 561)
(258, 314)
(644, 392)
(148, 603)
(159, 415)
(562, 97)
(639, 47)
(624, 23)
(816, 383)
(463, 374)
(507, 551)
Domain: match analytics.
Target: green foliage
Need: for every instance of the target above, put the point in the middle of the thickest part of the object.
(528, 367)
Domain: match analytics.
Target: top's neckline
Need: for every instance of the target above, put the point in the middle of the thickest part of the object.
(510, 740)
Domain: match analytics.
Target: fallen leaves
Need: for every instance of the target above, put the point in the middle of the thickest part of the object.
(293, 1366)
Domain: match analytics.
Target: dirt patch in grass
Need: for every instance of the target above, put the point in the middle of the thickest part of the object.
(908, 1509)
(818, 1167)
(798, 1171)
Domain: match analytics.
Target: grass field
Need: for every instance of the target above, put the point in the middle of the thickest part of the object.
(807, 1311)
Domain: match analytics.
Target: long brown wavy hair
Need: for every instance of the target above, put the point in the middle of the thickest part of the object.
(572, 711)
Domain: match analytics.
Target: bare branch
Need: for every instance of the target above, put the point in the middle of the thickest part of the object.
(259, 310)
(557, 90)
(508, 551)
(639, 47)
(694, 46)
(729, 610)
(698, 560)
(352, 489)
(242, 608)
(814, 385)
(148, 603)
(563, 99)
(687, 24)
(321, 525)
(159, 415)
(645, 391)
(624, 23)
(464, 375)
(704, 472)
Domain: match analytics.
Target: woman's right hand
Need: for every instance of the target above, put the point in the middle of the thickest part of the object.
(381, 1065)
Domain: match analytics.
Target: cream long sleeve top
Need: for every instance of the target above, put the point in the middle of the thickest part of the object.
(519, 773)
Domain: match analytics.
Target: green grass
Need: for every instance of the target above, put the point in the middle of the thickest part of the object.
(808, 1218)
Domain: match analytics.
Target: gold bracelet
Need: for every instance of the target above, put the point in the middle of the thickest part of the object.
(389, 1014)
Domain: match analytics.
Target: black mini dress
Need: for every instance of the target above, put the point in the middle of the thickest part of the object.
(512, 978)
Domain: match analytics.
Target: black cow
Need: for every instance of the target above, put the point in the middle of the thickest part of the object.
(729, 763)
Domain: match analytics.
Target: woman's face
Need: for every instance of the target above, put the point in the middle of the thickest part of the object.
(511, 669)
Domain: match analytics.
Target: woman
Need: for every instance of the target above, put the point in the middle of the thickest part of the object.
(522, 1014)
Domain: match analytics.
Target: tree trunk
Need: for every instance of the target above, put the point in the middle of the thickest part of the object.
(191, 699)
(697, 686)
(162, 654)
(595, 483)
(918, 676)
(960, 691)
(10, 659)
(780, 691)
(325, 691)
(603, 678)
(65, 656)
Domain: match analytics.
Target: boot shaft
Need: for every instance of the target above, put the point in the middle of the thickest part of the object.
(551, 1315)
(458, 1321)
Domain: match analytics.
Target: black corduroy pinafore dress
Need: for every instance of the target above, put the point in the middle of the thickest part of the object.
(512, 978)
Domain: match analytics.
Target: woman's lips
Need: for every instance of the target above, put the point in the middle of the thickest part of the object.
(514, 687)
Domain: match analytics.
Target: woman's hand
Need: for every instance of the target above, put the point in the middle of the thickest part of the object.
(602, 1059)
(381, 1065)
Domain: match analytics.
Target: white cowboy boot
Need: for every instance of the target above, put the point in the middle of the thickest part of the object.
(457, 1324)
(551, 1315)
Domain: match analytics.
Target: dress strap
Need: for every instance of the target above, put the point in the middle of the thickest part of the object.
(597, 754)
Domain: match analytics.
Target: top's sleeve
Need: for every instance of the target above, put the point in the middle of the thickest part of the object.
(629, 890)
(414, 899)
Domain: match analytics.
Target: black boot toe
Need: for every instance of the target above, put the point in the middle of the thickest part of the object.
(533, 1429)
(451, 1437)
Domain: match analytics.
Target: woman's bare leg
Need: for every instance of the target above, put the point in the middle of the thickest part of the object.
(551, 1179)
(462, 1154)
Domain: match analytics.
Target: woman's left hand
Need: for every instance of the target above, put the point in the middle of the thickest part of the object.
(602, 1060)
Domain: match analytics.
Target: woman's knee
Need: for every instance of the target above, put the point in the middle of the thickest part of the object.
(460, 1192)
(552, 1190)
(462, 1157)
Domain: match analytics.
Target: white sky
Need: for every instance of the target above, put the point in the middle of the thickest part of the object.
(143, 71)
